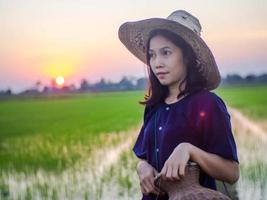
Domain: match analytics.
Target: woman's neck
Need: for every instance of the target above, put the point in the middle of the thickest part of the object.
(174, 90)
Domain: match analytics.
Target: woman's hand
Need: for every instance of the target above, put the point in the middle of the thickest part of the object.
(146, 175)
(174, 167)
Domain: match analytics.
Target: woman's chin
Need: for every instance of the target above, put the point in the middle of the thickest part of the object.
(163, 82)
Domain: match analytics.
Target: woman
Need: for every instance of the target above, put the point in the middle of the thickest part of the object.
(183, 120)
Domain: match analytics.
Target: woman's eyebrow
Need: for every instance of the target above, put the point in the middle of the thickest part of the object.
(166, 47)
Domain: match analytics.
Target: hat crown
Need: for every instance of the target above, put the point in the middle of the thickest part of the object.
(186, 19)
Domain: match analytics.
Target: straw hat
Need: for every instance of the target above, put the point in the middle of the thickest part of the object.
(134, 36)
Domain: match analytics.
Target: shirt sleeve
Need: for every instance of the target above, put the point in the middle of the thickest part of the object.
(140, 145)
(217, 131)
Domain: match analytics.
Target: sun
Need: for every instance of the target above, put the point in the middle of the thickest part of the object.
(60, 80)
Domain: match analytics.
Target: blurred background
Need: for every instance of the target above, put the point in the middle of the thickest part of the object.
(69, 93)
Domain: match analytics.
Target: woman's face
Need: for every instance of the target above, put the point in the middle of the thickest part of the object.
(166, 61)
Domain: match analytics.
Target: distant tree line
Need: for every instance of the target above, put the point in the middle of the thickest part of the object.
(124, 84)
(236, 79)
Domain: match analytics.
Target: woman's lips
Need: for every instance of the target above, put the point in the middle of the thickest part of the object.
(161, 74)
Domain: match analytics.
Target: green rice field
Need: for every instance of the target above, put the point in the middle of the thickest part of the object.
(251, 100)
(51, 147)
(38, 132)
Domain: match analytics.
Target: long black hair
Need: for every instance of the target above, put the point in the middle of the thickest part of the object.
(194, 80)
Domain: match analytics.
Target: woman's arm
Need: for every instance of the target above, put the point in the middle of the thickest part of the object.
(214, 165)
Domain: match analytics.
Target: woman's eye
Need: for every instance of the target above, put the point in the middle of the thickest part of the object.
(166, 52)
(151, 55)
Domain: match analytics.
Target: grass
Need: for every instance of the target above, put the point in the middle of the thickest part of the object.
(55, 133)
(251, 100)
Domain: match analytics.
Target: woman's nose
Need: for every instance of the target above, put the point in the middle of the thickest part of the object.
(158, 62)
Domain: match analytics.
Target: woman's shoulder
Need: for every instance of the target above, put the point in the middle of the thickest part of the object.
(206, 97)
(206, 100)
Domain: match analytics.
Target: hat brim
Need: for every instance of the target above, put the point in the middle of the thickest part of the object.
(134, 36)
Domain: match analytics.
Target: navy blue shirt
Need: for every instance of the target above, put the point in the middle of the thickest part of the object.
(200, 118)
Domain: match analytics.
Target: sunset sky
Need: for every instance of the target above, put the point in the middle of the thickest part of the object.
(43, 39)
